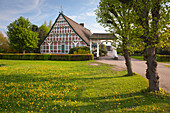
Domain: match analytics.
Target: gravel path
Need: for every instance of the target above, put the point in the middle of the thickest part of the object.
(139, 67)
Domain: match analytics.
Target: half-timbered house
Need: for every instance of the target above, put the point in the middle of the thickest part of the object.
(65, 34)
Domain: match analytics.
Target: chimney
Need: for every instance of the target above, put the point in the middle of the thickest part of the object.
(82, 24)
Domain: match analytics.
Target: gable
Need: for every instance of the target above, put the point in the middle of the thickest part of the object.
(62, 28)
(83, 32)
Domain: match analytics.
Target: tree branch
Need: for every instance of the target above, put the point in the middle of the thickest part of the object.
(115, 14)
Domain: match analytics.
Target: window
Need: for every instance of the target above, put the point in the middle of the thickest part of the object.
(51, 46)
(59, 47)
(54, 35)
(65, 27)
(44, 47)
(58, 28)
(60, 35)
(69, 35)
(63, 35)
(66, 47)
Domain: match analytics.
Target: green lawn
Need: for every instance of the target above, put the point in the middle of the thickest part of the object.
(137, 57)
(62, 86)
(141, 58)
(167, 65)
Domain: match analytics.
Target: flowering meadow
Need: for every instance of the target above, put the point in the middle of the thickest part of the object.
(75, 86)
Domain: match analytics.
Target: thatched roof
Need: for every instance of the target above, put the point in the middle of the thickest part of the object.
(102, 36)
(83, 32)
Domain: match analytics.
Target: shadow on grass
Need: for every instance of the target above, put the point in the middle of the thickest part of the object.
(125, 102)
(34, 78)
(1, 65)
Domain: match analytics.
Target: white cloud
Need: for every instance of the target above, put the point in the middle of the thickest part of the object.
(90, 14)
(93, 2)
(75, 18)
(97, 28)
(16, 8)
(2, 27)
(24, 7)
(83, 16)
(35, 10)
(19, 7)
(40, 10)
(3, 30)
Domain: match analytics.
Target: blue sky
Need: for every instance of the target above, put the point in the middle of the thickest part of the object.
(81, 11)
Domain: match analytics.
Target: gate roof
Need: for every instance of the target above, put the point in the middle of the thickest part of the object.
(102, 36)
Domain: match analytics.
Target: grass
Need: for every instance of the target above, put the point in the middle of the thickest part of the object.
(141, 58)
(167, 65)
(137, 57)
(68, 87)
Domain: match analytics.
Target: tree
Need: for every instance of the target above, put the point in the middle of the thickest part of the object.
(4, 44)
(153, 17)
(50, 24)
(21, 36)
(45, 23)
(165, 50)
(118, 18)
(42, 31)
(34, 28)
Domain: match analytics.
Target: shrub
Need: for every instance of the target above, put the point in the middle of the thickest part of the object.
(80, 50)
(101, 52)
(25, 57)
(32, 57)
(163, 58)
(58, 57)
(164, 51)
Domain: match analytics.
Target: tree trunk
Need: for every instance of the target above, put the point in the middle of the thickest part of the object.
(151, 72)
(150, 37)
(128, 62)
(23, 51)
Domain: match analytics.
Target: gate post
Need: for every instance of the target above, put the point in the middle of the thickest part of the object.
(97, 48)
(49, 43)
(90, 46)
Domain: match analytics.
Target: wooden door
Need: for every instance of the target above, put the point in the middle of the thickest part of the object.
(63, 49)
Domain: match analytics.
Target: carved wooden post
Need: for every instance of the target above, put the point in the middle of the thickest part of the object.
(90, 46)
(97, 48)
(49, 43)
(115, 56)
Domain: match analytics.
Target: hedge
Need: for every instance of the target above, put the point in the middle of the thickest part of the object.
(76, 49)
(163, 58)
(57, 57)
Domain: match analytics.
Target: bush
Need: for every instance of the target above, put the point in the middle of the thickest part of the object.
(164, 51)
(101, 52)
(57, 57)
(80, 50)
(163, 58)
(25, 57)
